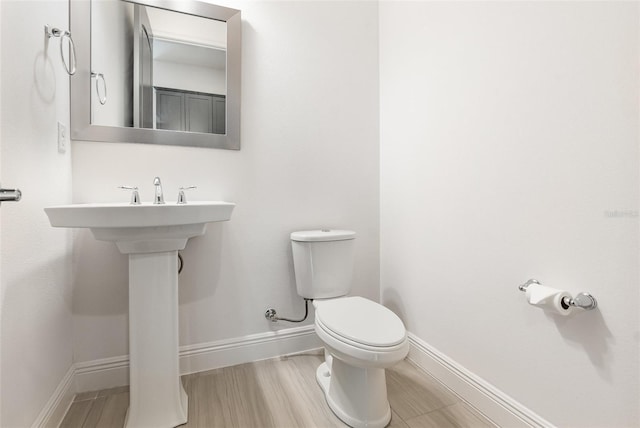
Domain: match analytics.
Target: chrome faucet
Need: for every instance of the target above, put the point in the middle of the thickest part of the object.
(159, 198)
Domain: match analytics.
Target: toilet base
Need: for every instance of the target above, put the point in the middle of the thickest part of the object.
(358, 396)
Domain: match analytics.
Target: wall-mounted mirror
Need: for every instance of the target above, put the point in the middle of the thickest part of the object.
(156, 71)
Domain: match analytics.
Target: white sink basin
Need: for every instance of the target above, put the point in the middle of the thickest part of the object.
(145, 228)
(144, 215)
(151, 235)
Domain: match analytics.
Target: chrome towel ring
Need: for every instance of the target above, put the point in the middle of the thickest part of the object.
(100, 76)
(56, 32)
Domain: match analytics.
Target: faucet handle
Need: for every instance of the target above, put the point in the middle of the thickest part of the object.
(182, 198)
(135, 197)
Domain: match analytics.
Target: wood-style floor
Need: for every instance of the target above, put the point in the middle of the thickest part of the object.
(283, 392)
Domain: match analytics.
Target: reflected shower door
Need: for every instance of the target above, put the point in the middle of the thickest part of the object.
(142, 70)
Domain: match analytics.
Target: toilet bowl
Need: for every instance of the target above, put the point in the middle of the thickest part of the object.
(362, 339)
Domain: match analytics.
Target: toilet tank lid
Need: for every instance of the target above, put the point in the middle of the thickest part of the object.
(322, 235)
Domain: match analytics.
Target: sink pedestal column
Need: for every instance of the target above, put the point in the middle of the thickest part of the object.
(152, 235)
(157, 397)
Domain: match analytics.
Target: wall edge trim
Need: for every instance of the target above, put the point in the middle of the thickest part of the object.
(56, 407)
(480, 394)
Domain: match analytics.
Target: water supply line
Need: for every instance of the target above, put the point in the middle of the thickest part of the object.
(180, 263)
(272, 316)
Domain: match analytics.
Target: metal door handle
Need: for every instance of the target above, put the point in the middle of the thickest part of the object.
(10, 195)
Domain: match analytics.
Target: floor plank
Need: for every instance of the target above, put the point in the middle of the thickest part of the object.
(277, 385)
(114, 411)
(308, 394)
(77, 414)
(96, 412)
(458, 415)
(413, 393)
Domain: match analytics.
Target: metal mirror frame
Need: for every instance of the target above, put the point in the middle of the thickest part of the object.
(81, 127)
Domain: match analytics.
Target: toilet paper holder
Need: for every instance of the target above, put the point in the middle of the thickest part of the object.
(582, 300)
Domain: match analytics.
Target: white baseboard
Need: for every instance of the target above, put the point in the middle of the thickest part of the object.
(255, 347)
(53, 412)
(101, 374)
(503, 410)
(112, 372)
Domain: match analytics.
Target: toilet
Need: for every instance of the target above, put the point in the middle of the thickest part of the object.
(361, 337)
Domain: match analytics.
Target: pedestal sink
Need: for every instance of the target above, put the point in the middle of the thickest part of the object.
(151, 235)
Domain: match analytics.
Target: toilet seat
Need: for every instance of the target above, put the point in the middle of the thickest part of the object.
(361, 323)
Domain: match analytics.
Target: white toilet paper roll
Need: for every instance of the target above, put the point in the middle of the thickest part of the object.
(549, 299)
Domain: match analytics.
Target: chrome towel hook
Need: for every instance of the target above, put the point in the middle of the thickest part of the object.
(99, 77)
(56, 32)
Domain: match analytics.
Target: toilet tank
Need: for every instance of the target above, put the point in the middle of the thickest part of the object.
(323, 262)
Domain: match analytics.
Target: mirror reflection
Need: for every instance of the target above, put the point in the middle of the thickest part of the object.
(157, 69)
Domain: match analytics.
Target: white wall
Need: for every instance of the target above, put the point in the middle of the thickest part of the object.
(509, 137)
(35, 259)
(309, 159)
